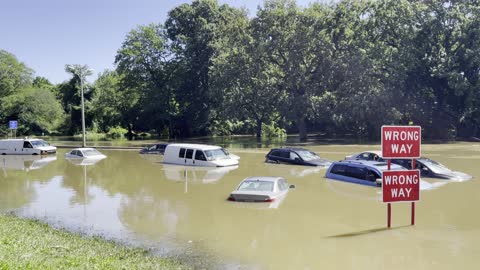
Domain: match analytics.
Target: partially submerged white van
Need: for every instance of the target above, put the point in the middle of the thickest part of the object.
(26, 147)
(198, 155)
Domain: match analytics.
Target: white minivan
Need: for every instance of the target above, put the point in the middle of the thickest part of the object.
(198, 155)
(26, 147)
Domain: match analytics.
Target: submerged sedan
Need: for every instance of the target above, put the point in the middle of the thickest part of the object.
(85, 153)
(260, 189)
(434, 169)
(427, 167)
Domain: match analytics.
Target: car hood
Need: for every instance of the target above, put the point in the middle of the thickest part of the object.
(225, 162)
(46, 148)
(456, 176)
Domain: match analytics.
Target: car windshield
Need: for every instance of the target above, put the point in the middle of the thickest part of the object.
(39, 143)
(255, 185)
(216, 154)
(91, 152)
(435, 166)
(307, 155)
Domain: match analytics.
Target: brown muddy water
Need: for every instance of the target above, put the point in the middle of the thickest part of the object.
(183, 212)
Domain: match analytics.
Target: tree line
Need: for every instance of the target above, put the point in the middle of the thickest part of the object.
(346, 67)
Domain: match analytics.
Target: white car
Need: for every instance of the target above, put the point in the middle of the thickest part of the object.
(85, 153)
(202, 155)
(260, 189)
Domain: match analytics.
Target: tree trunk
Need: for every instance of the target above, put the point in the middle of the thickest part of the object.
(302, 128)
(130, 132)
(259, 128)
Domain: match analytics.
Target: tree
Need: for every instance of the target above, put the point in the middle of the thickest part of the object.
(296, 44)
(14, 75)
(194, 30)
(148, 84)
(72, 93)
(107, 101)
(245, 79)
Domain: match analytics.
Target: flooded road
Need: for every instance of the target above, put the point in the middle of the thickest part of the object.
(320, 224)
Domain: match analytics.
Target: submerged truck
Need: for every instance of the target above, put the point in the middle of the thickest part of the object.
(26, 147)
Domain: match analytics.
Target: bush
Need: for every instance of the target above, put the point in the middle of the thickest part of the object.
(272, 131)
(116, 133)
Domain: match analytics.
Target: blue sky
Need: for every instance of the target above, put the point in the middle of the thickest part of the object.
(47, 34)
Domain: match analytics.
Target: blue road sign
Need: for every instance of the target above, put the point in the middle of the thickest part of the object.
(13, 124)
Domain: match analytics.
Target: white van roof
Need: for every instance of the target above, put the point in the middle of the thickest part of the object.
(195, 146)
(20, 140)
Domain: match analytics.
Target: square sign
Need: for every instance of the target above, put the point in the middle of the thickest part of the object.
(13, 124)
(401, 142)
(401, 186)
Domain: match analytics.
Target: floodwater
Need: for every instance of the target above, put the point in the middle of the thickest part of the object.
(183, 212)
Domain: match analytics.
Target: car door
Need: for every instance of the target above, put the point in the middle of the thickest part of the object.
(294, 158)
(199, 158)
(284, 157)
(274, 155)
(28, 148)
(189, 157)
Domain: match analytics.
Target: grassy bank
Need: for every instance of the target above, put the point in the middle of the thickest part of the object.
(27, 244)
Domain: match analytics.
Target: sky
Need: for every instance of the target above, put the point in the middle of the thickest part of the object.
(48, 34)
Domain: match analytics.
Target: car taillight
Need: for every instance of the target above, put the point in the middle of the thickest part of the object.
(231, 198)
(270, 200)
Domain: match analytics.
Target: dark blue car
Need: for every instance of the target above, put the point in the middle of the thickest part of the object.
(296, 156)
(359, 171)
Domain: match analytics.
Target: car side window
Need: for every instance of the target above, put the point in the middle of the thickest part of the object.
(293, 156)
(275, 153)
(338, 169)
(199, 155)
(181, 154)
(285, 154)
(364, 156)
(357, 172)
(189, 154)
(27, 145)
(372, 176)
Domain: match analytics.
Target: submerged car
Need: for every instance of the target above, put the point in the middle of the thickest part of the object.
(26, 147)
(366, 172)
(367, 155)
(434, 169)
(85, 153)
(297, 156)
(359, 171)
(427, 167)
(260, 189)
(156, 149)
(199, 155)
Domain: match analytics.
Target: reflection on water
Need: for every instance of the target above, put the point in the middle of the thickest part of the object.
(25, 162)
(322, 224)
(196, 174)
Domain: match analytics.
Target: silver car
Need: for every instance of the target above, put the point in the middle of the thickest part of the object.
(260, 189)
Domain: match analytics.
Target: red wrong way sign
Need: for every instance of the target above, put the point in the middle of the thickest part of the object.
(401, 141)
(401, 186)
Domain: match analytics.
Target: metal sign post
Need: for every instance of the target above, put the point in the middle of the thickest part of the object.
(401, 142)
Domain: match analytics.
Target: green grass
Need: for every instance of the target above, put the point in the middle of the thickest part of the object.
(29, 244)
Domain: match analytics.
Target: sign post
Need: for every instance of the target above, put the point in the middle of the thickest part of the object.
(13, 127)
(401, 142)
